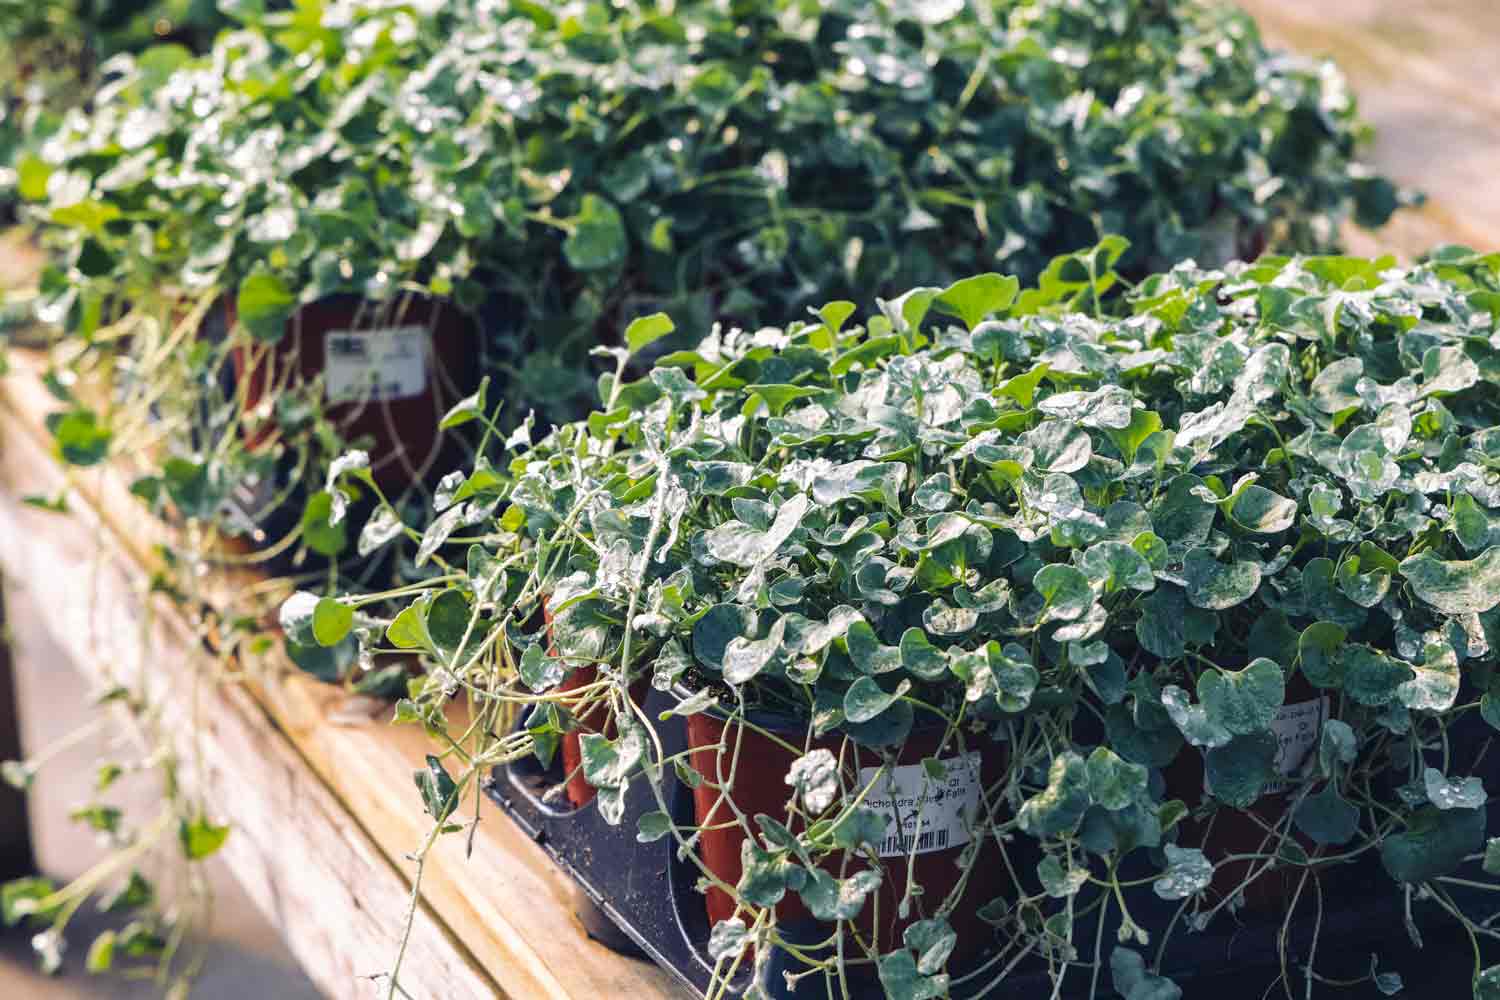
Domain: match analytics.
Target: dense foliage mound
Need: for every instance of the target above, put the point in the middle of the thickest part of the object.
(570, 168)
(50, 52)
(1112, 529)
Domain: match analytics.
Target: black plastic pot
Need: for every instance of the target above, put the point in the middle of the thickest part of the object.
(645, 890)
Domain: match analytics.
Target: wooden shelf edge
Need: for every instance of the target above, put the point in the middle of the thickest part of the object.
(1368, 57)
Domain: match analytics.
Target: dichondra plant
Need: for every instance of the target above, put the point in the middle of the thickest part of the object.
(1120, 538)
(569, 169)
(743, 166)
(1110, 539)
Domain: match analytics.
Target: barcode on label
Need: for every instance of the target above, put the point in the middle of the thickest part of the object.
(925, 809)
(932, 840)
(345, 346)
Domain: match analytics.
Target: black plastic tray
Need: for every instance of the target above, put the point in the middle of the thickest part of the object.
(640, 899)
(642, 889)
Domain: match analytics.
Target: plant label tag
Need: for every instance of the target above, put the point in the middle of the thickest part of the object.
(1298, 728)
(375, 366)
(924, 812)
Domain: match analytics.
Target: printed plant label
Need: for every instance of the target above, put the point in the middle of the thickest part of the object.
(932, 813)
(1297, 728)
(375, 366)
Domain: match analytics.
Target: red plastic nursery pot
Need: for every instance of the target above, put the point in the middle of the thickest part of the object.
(1298, 725)
(596, 720)
(390, 371)
(760, 787)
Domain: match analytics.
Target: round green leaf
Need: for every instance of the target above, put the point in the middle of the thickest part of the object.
(1188, 873)
(1318, 648)
(598, 238)
(1060, 807)
(1237, 772)
(1218, 586)
(1117, 566)
(1455, 587)
(1453, 793)
(972, 299)
(264, 305)
(645, 330)
(1259, 510)
(1243, 701)
(1066, 591)
(1327, 818)
(319, 530)
(1114, 783)
(1435, 842)
(865, 699)
(1372, 678)
(712, 634)
(331, 621)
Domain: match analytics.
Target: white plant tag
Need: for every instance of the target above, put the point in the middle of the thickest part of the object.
(933, 814)
(1298, 728)
(375, 366)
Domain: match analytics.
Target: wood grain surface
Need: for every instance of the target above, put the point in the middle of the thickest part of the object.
(1424, 73)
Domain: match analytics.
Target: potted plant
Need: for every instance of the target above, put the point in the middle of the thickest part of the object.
(50, 54)
(389, 372)
(141, 155)
(451, 159)
(1101, 543)
(803, 155)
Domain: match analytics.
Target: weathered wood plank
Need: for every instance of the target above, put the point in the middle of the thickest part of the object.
(1424, 77)
(507, 901)
(325, 811)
